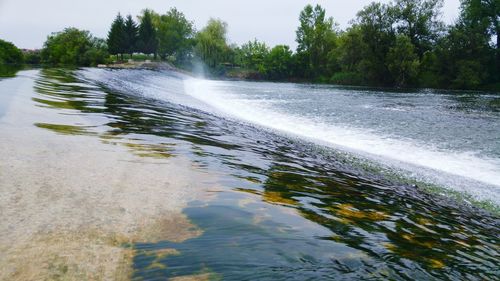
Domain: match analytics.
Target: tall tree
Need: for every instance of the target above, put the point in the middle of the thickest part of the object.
(211, 43)
(483, 17)
(147, 43)
(279, 62)
(117, 38)
(175, 35)
(351, 49)
(315, 38)
(253, 55)
(132, 34)
(403, 62)
(376, 23)
(420, 21)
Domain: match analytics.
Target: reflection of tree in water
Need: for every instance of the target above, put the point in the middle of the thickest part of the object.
(9, 70)
(124, 119)
(405, 228)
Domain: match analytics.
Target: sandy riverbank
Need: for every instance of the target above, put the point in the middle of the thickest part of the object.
(70, 204)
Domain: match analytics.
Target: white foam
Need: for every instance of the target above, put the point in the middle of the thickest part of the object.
(454, 167)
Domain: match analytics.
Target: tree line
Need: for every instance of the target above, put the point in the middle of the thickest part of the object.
(403, 43)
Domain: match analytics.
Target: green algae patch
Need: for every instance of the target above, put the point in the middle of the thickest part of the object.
(66, 129)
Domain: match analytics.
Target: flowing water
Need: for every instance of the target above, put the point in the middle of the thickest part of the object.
(311, 179)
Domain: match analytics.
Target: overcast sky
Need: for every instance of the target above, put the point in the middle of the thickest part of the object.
(27, 23)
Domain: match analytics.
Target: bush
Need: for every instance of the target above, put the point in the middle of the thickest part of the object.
(74, 47)
(9, 53)
(347, 78)
(32, 57)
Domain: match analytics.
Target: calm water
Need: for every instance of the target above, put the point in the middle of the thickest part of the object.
(293, 202)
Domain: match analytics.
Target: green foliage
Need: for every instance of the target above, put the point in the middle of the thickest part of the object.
(131, 35)
(117, 37)
(466, 53)
(9, 70)
(419, 21)
(279, 63)
(147, 42)
(482, 19)
(429, 70)
(73, 47)
(351, 49)
(253, 55)
(175, 35)
(376, 22)
(402, 61)
(32, 57)
(315, 37)
(402, 43)
(347, 78)
(9, 53)
(469, 74)
(96, 54)
(211, 44)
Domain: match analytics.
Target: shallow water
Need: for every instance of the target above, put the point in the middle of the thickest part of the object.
(284, 206)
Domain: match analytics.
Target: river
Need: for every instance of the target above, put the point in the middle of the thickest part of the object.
(312, 181)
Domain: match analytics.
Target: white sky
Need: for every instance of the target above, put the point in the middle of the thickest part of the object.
(27, 23)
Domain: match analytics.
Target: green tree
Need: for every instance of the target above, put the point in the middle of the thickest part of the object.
(32, 57)
(74, 47)
(279, 62)
(96, 53)
(465, 47)
(147, 43)
(211, 44)
(315, 37)
(175, 35)
(483, 14)
(419, 21)
(349, 55)
(376, 23)
(429, 74)
(351, 48)
(402, 61)
(117, 37)
(9, 53)
(483, 18)
(467, 57)
(253, 55)
(131, 35)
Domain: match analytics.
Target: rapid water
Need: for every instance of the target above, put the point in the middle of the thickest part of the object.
(283, 202)
(444, 138)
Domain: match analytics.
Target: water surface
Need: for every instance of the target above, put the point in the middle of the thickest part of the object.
(290, 206)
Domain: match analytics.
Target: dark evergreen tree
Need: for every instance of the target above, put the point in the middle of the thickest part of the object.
(132, 34)
(117, 38)
(147, 44)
